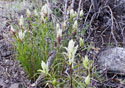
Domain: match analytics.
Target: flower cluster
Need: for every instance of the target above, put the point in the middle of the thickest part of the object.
(45, 12)
(21, 21)
(28, 13)
(81, 13)
(81, 42)
(59, 32)
(21, 34)
(75, 25)
(45, 68)
(87, 64)
(71, 51)
(87, 80)
(73, 13)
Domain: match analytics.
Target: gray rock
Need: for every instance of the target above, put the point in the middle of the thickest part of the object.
(15, 85)
(112, 59)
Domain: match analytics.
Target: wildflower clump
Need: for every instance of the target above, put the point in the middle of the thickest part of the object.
(71, 51)
(45, 68)
(40, 33)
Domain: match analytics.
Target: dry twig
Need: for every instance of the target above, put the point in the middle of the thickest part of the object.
(79, 8)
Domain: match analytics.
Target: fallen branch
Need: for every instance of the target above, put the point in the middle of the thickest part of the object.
(112, 27)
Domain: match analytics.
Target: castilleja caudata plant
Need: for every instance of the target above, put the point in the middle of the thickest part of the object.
(32, 40)
(38, 35)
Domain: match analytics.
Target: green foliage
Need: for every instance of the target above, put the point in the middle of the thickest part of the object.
(35, 46)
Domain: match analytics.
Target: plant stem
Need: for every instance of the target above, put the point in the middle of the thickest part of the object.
(71, 76)
(80, 60)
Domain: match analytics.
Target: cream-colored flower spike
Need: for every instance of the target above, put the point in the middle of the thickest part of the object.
(59, 33)
(21, 34)
(71, 51)
(57, 26)
(35, 13)
(28, 12)
(75, 25)
(86, 62)
(81, 13)
(42, 19)
(87, 80)
(64, 25)
(21, 20)
(45, 68)
(73, 13)
(46, 10)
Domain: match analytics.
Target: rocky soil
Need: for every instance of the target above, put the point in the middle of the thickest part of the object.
(11, 73)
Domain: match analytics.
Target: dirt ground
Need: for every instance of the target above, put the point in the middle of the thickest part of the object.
(11, 73)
